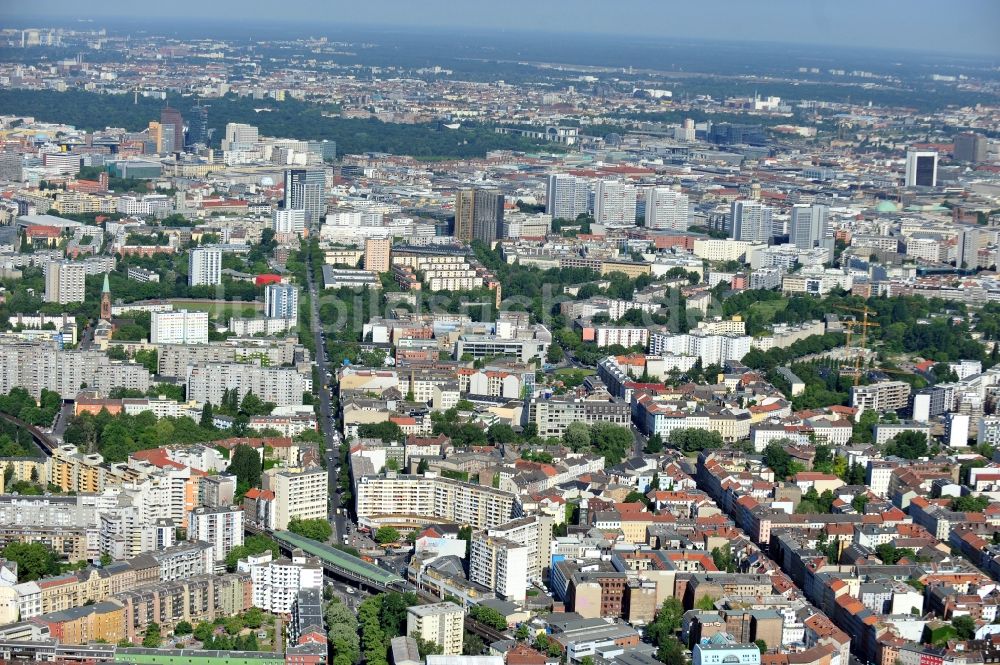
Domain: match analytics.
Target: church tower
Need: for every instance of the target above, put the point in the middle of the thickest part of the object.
(106, 300)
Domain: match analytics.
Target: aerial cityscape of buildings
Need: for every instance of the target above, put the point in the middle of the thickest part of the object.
(307, 357)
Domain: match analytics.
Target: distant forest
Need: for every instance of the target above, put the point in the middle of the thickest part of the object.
(288, 119)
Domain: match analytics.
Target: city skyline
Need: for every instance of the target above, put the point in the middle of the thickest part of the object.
(563, 333)
(968, 27)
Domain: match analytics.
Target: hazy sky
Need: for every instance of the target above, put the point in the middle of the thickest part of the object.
(959, 26)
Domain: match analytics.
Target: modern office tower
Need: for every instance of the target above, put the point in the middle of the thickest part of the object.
(65, 282)
(221, 527)
(566, 196)
(751, 221)
(198, 131)
(666, 209)
(178, 327)
(205, 266)
(305, 189)
(614, 203)
(441, 623)
(808, 224)
(239, 136)
(301, 495)
(281, 301)
(64, 163)
(970, 241)
(970, 147)
(921, 168)
(155, 131)
(288, 222)
(11, 166)
(172, 118)
(167, 134)
(487, 215)
(377, 254)
(478, 215)
(325, 150)
(465, 202)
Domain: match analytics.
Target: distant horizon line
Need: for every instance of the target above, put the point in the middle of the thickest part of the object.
(150, 25)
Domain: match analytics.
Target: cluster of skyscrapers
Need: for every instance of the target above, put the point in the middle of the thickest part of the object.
(615, 203)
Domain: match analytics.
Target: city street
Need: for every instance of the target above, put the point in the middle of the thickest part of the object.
(331, 437)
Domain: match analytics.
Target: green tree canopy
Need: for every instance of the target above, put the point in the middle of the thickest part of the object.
(692, 439)
(387, 534)
(501, 433)
(779, 461)
(577, 436)
(251, 546)
(965, 627)
(488, 616)
(152, 639)
(908, 445)
(34, 560)
(316, 529)
(969, 504)
(388, 432)
(246, 466)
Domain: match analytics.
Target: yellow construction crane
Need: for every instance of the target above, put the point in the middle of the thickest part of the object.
(855, 369)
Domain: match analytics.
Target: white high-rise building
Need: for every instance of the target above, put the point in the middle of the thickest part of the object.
(751, 221)
(289, 222)
(614, 203)
(281, 301)
(957, 430)
(301, 495)
(666, 209)
(441, 623)
(65, 282)
(178, 327)
(239, 136)
(305, 189)
(206, 382)
(276, 583)
(221, 527)
(921, 168)
(566, 196)
(808, 225)
(35, 367)
(499, 564)
(205, 266)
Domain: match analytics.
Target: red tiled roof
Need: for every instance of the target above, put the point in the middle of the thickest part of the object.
(157, 457)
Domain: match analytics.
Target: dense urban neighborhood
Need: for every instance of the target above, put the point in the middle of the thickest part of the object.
(320, 352)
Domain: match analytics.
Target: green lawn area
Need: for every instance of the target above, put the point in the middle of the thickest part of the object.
(575, 371)
(572, 376)
(217, 308)
(767, 309)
